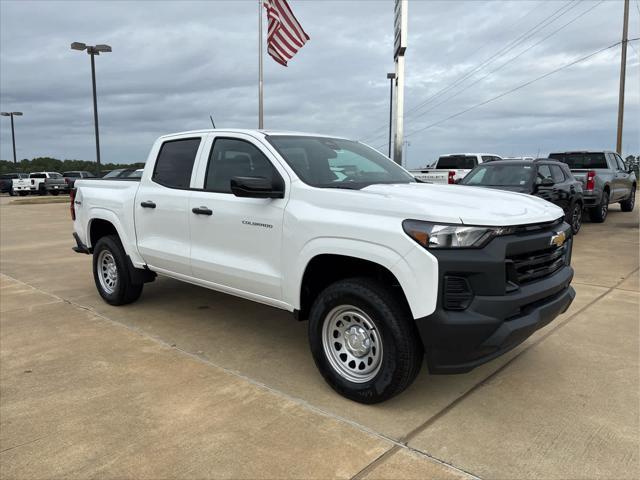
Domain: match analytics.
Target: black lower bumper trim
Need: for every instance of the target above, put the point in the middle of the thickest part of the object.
(507, 336)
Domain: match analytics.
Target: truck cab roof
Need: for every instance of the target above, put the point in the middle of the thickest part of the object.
(249, 131)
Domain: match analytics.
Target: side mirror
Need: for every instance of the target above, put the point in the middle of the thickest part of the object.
(546, 182)
(257, 187)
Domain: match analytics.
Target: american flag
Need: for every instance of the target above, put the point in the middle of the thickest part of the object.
(285, 36)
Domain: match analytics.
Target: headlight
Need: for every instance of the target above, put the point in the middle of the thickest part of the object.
(431, 235)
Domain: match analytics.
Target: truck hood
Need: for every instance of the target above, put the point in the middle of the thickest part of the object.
(463, 204)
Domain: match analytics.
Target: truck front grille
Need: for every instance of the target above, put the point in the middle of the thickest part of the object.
(531, 266)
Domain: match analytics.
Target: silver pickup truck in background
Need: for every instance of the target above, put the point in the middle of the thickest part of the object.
(452, 167)
(48, 182)
(605, 180)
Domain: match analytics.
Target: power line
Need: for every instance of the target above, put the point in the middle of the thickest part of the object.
(526, 84)
(548, 20)
(510, 46)
(464, 89)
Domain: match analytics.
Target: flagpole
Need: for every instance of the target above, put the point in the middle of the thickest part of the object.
(260, 68)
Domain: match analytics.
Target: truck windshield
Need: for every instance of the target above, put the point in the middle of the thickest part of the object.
(337, 163)
(581, 160)
(500, 175)
(464, 162)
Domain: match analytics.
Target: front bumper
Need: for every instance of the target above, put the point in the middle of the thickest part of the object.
(501, 312)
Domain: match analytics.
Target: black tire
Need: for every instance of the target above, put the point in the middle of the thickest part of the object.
(12, 192)
(628, 204)
(599, 214)
(574, 217)
(42, 190)
(123, 290)
(401, 355)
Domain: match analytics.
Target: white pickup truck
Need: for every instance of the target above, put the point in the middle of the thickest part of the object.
(453, 167)
(384, 268)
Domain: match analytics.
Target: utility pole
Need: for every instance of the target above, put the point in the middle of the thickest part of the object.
(399, 48)
(391, 77)
(623, 74)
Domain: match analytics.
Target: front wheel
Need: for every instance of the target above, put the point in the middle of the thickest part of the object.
(599, 214)
(111, 272)
(363, 340)
(628, 204)
(574, 218)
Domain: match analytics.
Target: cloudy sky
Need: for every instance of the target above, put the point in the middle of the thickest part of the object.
(174, 63)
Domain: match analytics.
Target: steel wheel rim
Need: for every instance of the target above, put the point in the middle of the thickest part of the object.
(605, 205)
(107, 271)
(352, 343)
(576, 220)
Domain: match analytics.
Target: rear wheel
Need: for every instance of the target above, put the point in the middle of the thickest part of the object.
(111, 272)
(12, 192)
(628, 204)
(363, 340)
(599, 214)
(42, 190)
(574, 218)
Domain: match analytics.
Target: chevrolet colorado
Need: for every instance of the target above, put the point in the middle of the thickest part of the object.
(384, 268)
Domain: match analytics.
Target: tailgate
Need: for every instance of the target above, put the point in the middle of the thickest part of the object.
(431, 176)
(580, 175)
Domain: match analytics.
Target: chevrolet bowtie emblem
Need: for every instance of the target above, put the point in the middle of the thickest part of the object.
(558, 239)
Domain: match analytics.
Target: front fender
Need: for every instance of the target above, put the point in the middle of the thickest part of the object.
(416, 271)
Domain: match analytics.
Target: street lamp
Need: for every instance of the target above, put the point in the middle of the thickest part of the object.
(13, 135)
(391, 77)
(93, 51)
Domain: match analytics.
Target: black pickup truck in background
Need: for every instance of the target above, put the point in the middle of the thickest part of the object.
(543, 178)
(605, 180)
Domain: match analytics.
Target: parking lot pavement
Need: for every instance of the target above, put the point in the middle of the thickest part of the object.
(563, 404)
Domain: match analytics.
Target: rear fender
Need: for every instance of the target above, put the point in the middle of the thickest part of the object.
(128, 242)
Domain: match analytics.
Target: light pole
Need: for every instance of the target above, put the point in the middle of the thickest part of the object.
(13, 134)
(93, 51)
(391, 77)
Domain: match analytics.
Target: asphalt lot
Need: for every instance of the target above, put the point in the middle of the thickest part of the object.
(190, 383)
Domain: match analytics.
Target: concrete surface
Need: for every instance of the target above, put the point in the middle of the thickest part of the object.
(542, 411)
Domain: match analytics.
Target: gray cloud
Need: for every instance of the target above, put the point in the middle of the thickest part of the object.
(173, 63)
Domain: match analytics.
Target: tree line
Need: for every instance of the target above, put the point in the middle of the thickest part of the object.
(48, 164)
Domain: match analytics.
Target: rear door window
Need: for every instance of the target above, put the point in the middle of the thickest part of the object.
(175, 163)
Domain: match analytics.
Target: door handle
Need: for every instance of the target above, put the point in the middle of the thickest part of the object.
(148, 204)
(202, 211)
